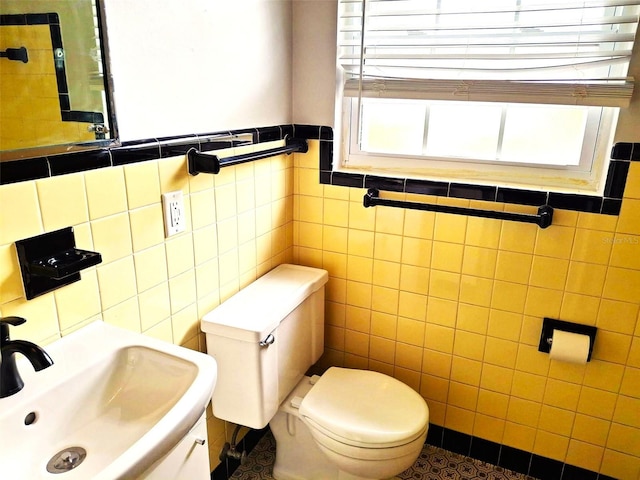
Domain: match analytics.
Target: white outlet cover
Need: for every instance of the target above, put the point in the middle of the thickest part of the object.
(174, 214)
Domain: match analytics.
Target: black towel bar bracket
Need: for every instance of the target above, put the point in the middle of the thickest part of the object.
(199, 162)
(17, 54)
(542, 219)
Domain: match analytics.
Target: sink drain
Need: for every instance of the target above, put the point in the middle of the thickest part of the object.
(66, 460)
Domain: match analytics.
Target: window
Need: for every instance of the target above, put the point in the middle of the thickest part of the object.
(516, 92)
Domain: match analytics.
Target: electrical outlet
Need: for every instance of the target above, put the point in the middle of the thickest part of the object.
(173, 209)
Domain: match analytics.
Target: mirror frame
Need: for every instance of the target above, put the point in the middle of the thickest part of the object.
(75, 147)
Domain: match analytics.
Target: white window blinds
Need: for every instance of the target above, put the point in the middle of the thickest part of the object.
(525, 51)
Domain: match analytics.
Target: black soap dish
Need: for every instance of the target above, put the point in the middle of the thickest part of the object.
(64, 263)
(51, 261)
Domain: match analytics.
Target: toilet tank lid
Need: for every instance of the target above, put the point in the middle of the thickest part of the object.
(256, 310)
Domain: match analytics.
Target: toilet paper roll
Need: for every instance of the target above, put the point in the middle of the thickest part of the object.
(569, 347)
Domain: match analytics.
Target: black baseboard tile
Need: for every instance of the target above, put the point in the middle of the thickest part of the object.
(507, 457)
(545, 468)
(485, 450)
(576, 473)
(434, 435)
(456, 442)
(514, 459)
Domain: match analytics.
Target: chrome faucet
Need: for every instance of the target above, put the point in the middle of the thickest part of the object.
(10, 381)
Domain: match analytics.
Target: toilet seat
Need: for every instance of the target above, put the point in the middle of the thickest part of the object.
(364, 409)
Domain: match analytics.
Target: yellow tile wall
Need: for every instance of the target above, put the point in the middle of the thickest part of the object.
(240, 225)
(453, 306)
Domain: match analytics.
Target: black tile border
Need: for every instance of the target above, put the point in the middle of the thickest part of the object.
(156, 148)
(507, 457)
(150, 149)
(621, 155)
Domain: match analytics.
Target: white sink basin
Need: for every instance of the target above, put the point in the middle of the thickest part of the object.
(124, 398)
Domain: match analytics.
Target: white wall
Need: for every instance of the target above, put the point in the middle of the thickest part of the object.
(314, 61)
(199, 66)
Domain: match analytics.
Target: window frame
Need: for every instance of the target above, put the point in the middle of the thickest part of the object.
(592, 182)
(575, 179)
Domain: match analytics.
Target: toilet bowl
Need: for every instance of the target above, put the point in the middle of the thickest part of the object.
(346, 424)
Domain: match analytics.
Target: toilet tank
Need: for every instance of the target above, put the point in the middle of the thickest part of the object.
(264, 338)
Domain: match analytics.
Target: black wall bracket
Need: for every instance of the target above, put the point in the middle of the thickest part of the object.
(51, 260)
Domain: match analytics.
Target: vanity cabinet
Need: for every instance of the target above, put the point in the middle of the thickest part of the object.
(188, 460)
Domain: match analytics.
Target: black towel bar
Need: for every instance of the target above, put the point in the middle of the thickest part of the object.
(199, 162)
(542, 219)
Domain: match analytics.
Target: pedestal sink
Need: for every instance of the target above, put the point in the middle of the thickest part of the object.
(113, 403)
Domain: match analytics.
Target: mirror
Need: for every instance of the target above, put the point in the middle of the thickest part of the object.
(55, 85)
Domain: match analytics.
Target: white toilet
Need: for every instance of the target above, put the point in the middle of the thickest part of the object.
(347, 424)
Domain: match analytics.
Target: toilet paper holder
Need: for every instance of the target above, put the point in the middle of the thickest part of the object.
(551, 324)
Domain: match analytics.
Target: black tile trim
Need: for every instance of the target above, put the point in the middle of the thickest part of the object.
(326, 155)
(24, 170)
(582, 203)
(347, 180)
(133, 152)
(616, 179)
(507, 457)
(325, 177)
(389, 184)
(609, 204)
(473, 192)
(426, 187)
(310, 132)
(522, 197)
(79, 162)
(144, 150)
(622, 151)
(174, 146)
(626, 151)
(269, 134)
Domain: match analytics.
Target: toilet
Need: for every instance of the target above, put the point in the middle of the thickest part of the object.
(347, 424)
